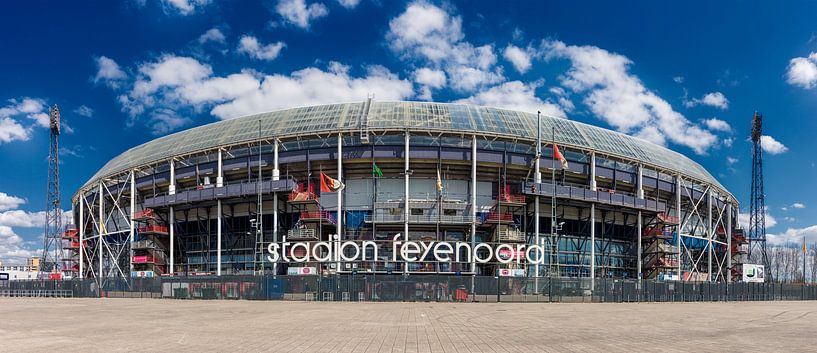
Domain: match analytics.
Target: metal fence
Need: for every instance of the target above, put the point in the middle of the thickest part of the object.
(438, 288)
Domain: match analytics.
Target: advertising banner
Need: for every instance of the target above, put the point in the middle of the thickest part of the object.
(301, 271)
(754, 273)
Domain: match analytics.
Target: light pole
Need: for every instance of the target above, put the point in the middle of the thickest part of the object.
(260, 223)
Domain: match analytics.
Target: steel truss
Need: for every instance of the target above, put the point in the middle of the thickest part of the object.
(703, 220)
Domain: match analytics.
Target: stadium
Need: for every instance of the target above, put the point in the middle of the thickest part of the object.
(210, 200)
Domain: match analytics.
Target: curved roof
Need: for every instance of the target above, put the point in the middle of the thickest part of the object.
(402, 115)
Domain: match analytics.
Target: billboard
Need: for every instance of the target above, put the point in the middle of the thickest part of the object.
(301, 271)
(754, 273)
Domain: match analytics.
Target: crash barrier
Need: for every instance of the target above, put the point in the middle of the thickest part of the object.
(440, 288)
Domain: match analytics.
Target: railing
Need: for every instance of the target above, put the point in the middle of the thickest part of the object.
(511, 235)
(153, 228)
(143, 259)
(496, 217)
(320, 215)
(585, 194)
(36, 293)
(511, 198)
(145, 214)
(301, 234)
(400, 218)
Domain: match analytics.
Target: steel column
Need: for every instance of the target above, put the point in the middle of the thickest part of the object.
(640, 254)
(640, 182)
(592, 246)
(172, 249)
(171, 190)
(218, 238)
(101, 240)
(710, 233)
(132, 223)
(593, 171)
(473, 203)
(220, 176)
(680, 221)
(537, 179)
(81, 234)
(728, 241)
(340, 200)
(406, 207)
(276, 175)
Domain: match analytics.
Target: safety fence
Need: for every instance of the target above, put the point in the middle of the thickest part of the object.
(44, 293)
(440, 288)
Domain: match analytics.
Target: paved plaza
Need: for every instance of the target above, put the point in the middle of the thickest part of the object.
(28, 324)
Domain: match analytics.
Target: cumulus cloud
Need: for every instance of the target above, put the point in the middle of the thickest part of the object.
(714, 99)
(250, 46)
(428, 34)
(212, 35)
(793, 236)
(296, 12)
(9, 202)
(519, 58)
(84, 110)
(515, 95)
(12, 246)
(798, 205)
(429, 79)
(316, 86)
(13, 115)
(619, 98)
(716, 124)
(731, 160)
(108, 72)
(184, 7)
(349, 4)
(802, 71)
(11, 130)
(772, 146)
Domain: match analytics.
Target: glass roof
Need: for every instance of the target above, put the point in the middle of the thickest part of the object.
(401, 115)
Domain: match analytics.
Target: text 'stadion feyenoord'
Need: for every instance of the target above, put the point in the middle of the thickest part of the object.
(402, 250)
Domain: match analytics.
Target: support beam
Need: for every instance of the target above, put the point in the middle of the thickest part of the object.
(171, 190)
(680, 222)
(101, 241)
(640, 254)
(728, 241)
(276, 175)
(537, 179)
(710, 233)
(220, 175)
(172, 239)
(81, 234)
(473, 203)
(592, 246)
(340, 200)
(640, 182)
(593, 171)
(218, 238)
(406, 210)
(132, 211)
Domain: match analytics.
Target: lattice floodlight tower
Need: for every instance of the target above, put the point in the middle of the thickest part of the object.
(52, 244)
(757, 211)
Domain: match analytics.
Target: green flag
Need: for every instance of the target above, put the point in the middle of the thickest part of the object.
(376, 170)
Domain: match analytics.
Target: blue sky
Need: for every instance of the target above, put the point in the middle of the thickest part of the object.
(687, 75)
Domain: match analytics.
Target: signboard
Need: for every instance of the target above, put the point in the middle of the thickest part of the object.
(754, 273)
(301, 271)
(142, 274)
(4, 276)
(508, 272)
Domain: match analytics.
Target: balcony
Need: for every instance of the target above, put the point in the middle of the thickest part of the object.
(153, 229)
(318, 216)
(227, 191)
(585, 194)
(70, 234)
(301, 234)
(144, 215)
(511, 199)
(498, 218)
(510, 236)
(418, 219)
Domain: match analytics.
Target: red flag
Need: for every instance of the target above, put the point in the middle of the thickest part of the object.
(329, 184)
(558, 155)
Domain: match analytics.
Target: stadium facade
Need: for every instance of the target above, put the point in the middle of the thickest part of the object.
(188, 203)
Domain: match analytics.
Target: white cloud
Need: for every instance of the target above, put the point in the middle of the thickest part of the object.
(520, 58)
(249, 45)
(429, 79)
(430, 35)
(678, 79)
(212, 35)
(298, 13)
(562, 98)
(11, 130)
(802, 71)
(620, 99)
(793, 235)
(108, 72)
(184, 7)
(772, 146)
(311, 86)
(9, 202)
(515, 95)
(349, 4)
(714, 99)
(799, 205)
(728, 141)
(731, 160)
(716, 124)
(163, 121)
(84, 110)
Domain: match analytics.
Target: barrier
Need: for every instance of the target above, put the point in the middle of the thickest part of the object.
(412, 288)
